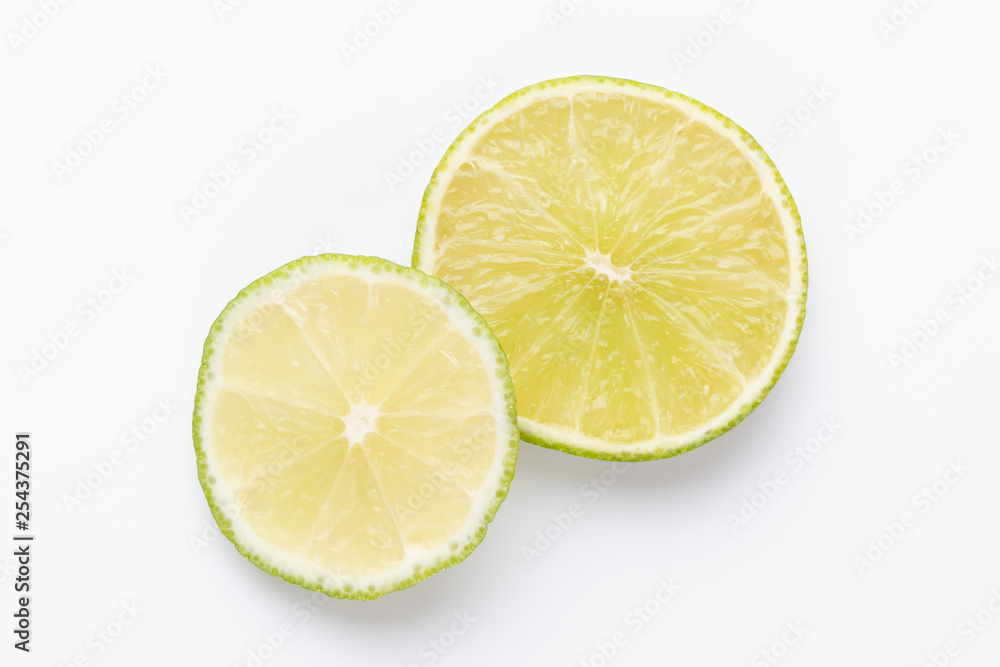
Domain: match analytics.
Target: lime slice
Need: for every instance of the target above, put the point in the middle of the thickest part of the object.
(354, 424)
(636, 253)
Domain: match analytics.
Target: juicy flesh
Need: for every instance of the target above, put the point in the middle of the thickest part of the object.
(626, 256)
(354, 423)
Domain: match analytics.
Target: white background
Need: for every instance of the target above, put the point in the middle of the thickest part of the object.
(321, 185)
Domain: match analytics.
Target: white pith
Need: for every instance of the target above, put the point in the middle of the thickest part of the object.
(360, 421)
(602, 264)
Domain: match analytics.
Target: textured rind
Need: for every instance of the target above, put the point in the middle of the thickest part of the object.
(376, 264)
(637, 452)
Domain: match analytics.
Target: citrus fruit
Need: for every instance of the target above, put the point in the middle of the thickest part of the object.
(355, 425)
(636, 253)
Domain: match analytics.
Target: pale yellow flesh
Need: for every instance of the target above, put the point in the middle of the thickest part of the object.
(627, 256)
(353, 424)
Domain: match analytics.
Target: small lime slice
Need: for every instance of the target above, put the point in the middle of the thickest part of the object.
(354, 424)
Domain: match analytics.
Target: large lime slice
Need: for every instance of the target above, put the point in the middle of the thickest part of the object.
(636, 253)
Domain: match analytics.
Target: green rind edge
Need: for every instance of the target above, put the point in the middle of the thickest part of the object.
(378, 265)
(788, 202)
